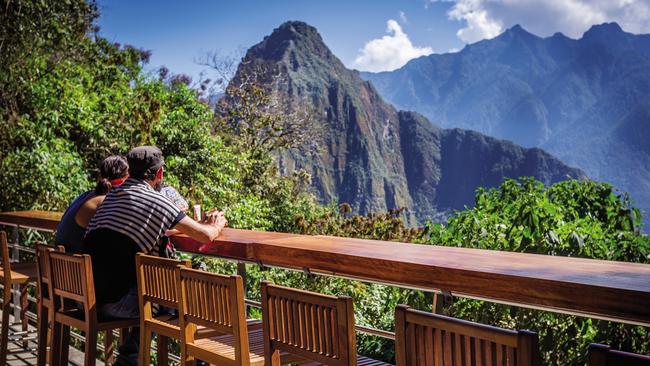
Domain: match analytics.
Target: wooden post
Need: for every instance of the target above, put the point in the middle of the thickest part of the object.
(241, 271)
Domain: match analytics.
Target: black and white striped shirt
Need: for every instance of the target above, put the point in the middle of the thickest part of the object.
(136, 210)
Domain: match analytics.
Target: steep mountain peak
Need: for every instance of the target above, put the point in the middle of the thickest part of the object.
(296, 30)
(604, 28)
(517, 31)
(517, 28)
(288, 37)
(606, 32)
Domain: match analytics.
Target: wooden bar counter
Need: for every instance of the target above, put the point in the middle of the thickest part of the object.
(617, 291)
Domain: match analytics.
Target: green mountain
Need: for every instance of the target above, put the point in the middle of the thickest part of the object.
(373, 156)
(584, 100)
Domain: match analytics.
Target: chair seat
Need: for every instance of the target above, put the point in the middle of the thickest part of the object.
(224, 346)
(76, 318)
(167, 325)
(21, 273)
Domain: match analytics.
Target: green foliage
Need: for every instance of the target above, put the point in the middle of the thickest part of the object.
(571, 218)
(29, 179)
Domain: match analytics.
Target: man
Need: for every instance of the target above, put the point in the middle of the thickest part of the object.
(132, 219)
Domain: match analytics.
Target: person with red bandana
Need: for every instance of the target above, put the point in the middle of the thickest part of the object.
(113, 171)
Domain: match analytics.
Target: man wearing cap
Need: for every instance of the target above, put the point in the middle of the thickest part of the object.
(132, 219)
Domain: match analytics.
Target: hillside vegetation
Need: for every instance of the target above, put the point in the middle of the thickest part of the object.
(68, 98)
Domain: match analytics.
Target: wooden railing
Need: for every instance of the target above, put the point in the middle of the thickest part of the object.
(617, 291)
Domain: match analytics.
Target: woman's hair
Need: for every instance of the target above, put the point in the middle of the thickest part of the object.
(113, 167)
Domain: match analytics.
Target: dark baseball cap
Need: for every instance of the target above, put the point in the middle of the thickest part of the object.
(143, 159)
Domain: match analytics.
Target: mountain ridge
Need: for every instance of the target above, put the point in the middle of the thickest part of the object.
(583, 100)
(372, 155)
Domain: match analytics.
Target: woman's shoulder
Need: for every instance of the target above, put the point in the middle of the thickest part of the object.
(93, 201)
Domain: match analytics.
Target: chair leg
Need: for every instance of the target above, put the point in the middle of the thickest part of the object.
(123, 333)
(4, 332)
(162, 350)
(64, 345)
(187, 360)
(23, 313)
(108, 347)
(145, 347)
(90, 350)
(272, 357)
(55, 352)
(43, 332)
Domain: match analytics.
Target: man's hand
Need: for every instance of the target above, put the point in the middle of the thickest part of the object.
(206, 231)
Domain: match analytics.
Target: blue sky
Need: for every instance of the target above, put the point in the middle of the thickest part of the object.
(370, 35)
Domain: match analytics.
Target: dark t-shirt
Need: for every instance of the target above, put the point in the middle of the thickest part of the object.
(68, 232)
(132, 219)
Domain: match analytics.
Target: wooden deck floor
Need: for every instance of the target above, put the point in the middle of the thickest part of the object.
(18, 356)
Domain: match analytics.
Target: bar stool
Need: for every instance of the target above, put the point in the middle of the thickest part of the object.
(72, 289)
(44, 305)
(423, 338)
(217, 302)
(603, 355)
(17, 274)
(310, 325)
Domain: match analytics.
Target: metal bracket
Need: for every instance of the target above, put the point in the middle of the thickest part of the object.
(310, 275)
(262, 267)
(15, 257)
(441, 300)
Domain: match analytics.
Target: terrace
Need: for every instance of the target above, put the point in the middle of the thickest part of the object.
(615, 291)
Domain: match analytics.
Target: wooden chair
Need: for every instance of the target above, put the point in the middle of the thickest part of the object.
(13, 274)
(157, 286)
(216, 302)
(72, 289)
(423, 338)
(44, 304)
(312, 326)
(603, 355)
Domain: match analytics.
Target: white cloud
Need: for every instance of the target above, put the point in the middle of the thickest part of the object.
(402, 16)
(389, 52)
(479, 24)
(487, 18)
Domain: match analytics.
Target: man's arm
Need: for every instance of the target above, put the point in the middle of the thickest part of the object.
(203, 232)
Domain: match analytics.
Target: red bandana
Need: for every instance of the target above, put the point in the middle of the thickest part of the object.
(118, 182)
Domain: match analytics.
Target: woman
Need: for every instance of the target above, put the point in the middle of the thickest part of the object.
(113, 171)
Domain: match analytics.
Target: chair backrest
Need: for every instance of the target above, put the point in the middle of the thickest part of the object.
(42, 265)
(71, 278)
(213, 301)
(423, 338)
(311, 325)
(603, 355)
(157, 279)
(6, 267)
